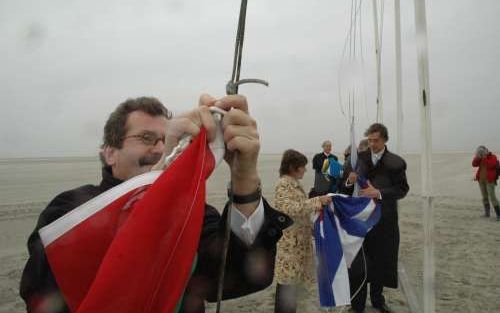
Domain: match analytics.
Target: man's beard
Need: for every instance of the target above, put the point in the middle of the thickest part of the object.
(150, 159)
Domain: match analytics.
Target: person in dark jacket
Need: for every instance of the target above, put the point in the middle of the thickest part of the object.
(386, 175)
(322, 183)
(486, 176)
(136, 135)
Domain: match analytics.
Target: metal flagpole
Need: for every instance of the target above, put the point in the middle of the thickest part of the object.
(399, 94)
(426, 156)
(411, 298)
(232, 89)
(380, 116)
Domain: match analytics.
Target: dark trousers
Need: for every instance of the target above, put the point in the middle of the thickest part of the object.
(358, 280)
(377, 299)
(286, 299)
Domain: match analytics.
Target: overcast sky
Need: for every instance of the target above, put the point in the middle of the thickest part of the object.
(65, 65)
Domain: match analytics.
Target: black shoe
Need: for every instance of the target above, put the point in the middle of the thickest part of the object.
(357, 311)
(384, 308)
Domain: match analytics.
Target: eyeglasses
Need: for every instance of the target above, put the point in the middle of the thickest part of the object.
(148, 138)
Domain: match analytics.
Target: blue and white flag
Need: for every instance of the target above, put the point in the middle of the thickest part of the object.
(339, 230)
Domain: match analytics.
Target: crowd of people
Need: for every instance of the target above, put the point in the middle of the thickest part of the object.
(138, 135)
(140, 132)
(376, 263)
(386, 183)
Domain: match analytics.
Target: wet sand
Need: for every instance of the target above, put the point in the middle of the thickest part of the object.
(467, 248)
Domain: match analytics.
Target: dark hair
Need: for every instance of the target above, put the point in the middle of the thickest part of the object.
(291, 160)
(482, 151)
(378, 128)
(115, 127)
(347, 151)
(363, 145)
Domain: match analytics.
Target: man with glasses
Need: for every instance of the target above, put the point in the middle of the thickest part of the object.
(386, 182)
(137, 135)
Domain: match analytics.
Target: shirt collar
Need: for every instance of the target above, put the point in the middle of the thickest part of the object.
(377, 156)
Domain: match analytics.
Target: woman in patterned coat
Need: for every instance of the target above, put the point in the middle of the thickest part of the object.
(294, 255)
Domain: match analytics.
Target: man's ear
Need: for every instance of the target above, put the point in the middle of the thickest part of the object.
(109, 154)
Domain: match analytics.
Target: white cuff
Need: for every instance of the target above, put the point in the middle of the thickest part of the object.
(247, 228)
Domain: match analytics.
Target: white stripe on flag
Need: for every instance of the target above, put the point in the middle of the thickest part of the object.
(367, 211)
(340, 285)
(66, 222)
(350, 244)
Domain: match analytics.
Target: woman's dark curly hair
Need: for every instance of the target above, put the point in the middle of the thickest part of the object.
(291, 161)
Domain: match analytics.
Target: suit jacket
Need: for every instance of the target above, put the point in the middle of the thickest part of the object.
(381, 244)
(242, 276)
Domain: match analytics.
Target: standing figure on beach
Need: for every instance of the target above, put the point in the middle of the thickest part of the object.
(362, 146)
(321, 161)
(386, 182)
(486, 176)
(294, 262)
(136, 135)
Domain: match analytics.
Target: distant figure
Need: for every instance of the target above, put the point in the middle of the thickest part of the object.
(363, 145)
(486, 176)
(347, 153)
(294, 255)
(321, 161)
(386, 182)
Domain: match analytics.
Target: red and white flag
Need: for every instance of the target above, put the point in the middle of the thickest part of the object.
(131, 248)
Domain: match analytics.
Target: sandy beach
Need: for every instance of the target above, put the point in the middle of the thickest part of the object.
(467, 252)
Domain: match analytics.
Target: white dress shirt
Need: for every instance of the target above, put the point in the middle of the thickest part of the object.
(247, 228)
(376, 156)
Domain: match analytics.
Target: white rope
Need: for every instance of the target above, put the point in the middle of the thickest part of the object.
(350, 48)
(348, 44)
(354, 37)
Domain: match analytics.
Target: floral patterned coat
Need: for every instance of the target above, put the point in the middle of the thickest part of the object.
(294, 259)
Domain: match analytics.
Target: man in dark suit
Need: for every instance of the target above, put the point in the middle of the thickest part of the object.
(386, 175)
(322, 184)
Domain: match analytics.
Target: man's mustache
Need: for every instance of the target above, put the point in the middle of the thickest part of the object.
(150, 159)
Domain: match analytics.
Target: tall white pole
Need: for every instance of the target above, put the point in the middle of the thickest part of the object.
(399, 93)
(411, 297)
(426, 157)
(380, 116)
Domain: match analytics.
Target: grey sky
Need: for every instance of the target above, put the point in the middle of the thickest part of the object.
(65, 65)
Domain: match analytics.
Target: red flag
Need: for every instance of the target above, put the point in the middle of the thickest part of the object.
(131, 248)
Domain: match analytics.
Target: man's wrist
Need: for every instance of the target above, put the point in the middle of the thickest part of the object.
(245, 184)
(245, 198)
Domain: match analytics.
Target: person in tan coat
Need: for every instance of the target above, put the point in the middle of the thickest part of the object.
(294, 254)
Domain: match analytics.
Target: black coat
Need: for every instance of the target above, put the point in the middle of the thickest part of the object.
(322, 186)
(318, 160)
(248, 269)
(381, 244)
